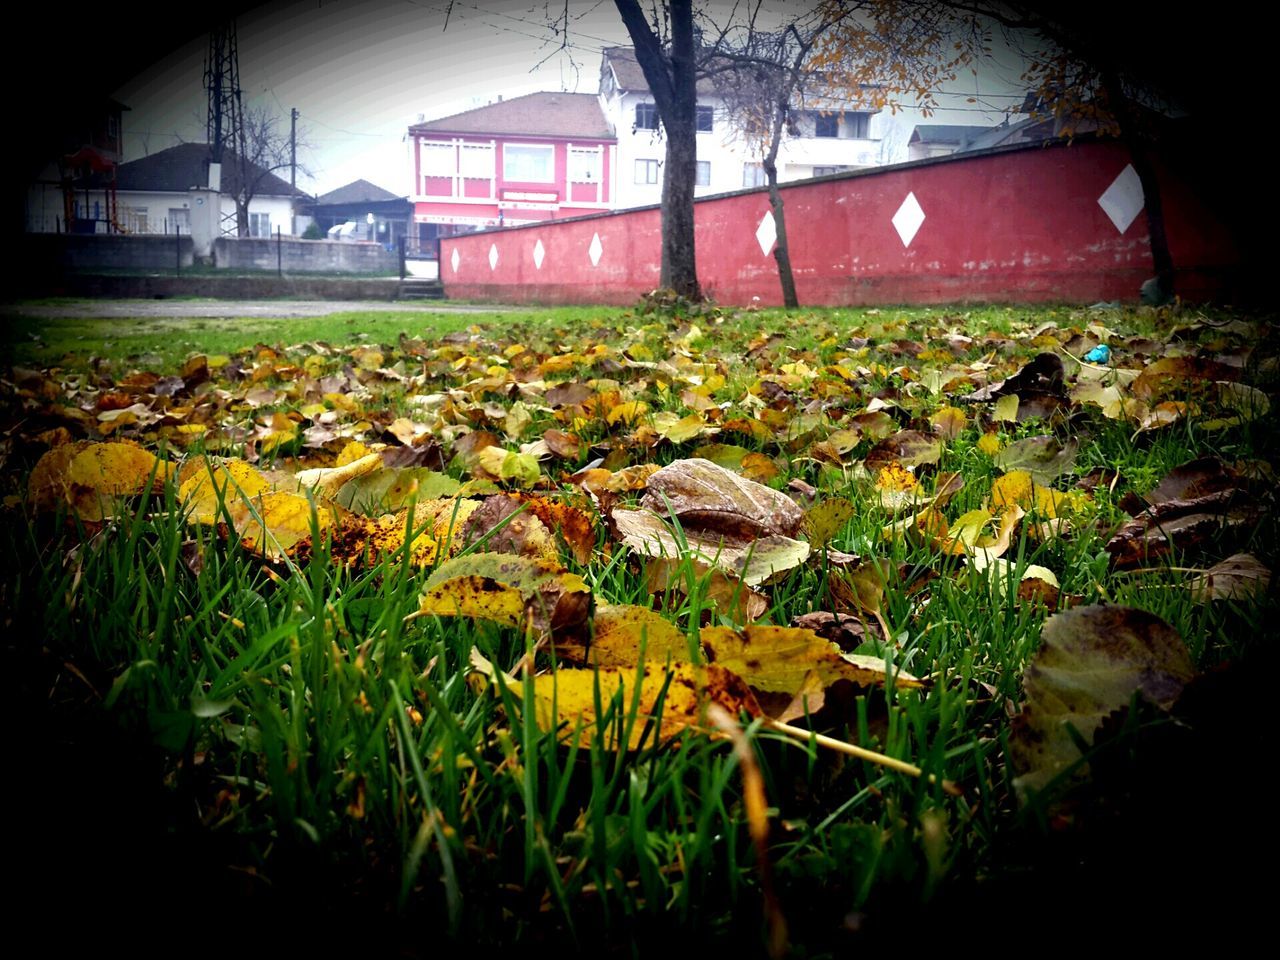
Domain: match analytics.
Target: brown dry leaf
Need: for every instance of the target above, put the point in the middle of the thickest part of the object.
(1241, 576)
(712, 499)
(1180, 375)
(844, 630)
(575, 526)
(522, 533)
(566, 446)
(1090, 663)
(510, 590)
(619, 632)
(1194, 480)
(1186, 526)
(751, 561)
(911, 448)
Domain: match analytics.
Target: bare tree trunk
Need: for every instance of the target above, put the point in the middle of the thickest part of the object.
(242, 218)
(673, 82)
(781, 251)
(1161, 257)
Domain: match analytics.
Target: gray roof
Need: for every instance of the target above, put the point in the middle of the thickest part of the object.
(622, 60)
(959, 134)
(533, 115)
(180, 168)
(357, 191)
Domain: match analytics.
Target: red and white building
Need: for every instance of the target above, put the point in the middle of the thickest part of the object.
(539, 157)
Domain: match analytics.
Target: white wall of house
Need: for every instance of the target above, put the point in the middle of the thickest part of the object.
(726, 153)
(873, 140)
(151, 212)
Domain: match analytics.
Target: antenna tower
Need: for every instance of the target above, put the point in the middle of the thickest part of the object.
(225, 124)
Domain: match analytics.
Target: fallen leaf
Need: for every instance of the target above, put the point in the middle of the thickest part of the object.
(510, 590)
(618, 634)
(715, 500)
(1241, 576)
(1044, 457)
(1091, 662)
(751, 561)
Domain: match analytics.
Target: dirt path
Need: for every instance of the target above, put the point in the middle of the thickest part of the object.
(221, 309)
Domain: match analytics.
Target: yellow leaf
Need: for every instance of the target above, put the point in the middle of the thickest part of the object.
(989, 443)
(619, 632)
(511, 590)
(778, 659)
(628, 412)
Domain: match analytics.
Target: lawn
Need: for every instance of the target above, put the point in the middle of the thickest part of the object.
(615, 629)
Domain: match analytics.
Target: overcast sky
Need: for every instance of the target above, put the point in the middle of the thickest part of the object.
(361, 71)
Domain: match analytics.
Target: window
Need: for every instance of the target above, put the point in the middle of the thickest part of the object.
(704, 119)
(646, 116)
(137, 219)
(476, 161)
(529, 163)
(826, 125)
(703, 177)
(646, 171)
(179, 220)
(438, 160)
(859, 125)
(259, 224)
(753, 175)
(584, 165)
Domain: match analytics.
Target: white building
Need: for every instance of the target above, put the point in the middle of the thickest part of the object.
(154, 195)
(826, 142)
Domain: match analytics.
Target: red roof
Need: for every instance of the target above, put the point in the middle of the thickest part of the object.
(535, 115)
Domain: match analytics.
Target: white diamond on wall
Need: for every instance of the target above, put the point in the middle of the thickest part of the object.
(595, 250)
(493, 256)
(767, 233)
(1123, 200)
(908, 219)
(453, 261)
(538, 253)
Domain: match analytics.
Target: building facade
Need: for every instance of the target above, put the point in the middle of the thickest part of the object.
(542, 156)
(823, 142)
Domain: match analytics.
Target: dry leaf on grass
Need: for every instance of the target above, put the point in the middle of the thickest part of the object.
(509, 590)
(1091, 662)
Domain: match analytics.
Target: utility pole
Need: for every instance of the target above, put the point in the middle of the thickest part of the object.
(293, 170)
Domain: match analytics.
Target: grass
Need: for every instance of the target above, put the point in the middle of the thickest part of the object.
(269, 739)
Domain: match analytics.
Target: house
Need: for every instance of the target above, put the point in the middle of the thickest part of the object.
(537, 157)
(941, 139)
(377, 214)
(153, 195)
(823, 142)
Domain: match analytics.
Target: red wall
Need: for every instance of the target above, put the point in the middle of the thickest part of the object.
(1008, 225)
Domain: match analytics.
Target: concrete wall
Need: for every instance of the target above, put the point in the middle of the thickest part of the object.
(303, 256)
(45, 252)
(1009, 225)
(46, 256)
(158, 287)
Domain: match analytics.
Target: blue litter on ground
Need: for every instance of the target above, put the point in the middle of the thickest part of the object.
(1099, 354)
